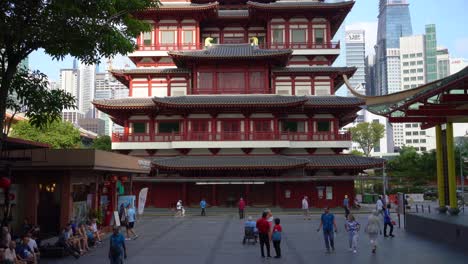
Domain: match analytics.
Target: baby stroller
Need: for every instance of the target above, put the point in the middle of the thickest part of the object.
(249, 234)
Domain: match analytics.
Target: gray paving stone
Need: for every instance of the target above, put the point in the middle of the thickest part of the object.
(217, 239)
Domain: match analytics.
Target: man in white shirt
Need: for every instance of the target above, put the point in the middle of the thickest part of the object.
(379, 205)
(305, 208)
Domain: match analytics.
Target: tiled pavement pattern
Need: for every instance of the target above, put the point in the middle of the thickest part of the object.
(217, 239)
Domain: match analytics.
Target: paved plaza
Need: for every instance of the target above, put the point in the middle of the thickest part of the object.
(217, 239)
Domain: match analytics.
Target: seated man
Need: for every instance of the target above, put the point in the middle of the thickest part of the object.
(33, 245)
(24, 253)
(66, 242)
(250, 223)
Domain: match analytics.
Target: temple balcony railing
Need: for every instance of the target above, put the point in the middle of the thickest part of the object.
(272, 45)
(230, 136)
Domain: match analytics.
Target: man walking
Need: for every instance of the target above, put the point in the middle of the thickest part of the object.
(117, 249)
(327, 221)
(379, 206)
(131, 218)
(346, 206)
(203, 207)
(388, 222)
(264, 234)
(305, 208)
(241, 208)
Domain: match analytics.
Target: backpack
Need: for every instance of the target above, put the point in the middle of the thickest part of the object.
(115, 250)
(276, 236)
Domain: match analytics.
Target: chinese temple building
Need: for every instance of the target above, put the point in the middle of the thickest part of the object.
(236, 99)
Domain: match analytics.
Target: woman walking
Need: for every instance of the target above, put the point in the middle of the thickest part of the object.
(352, 227)
(373, 229)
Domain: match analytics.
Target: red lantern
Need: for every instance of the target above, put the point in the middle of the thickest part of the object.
(5, 182)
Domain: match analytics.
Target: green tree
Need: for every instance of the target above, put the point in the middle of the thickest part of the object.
(412, 169)
(87, 30)
(58, 134)
(356, 152)
(102, 143)
(30, 95)
(367, 135)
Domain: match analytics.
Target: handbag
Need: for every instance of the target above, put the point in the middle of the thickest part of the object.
(276, 236)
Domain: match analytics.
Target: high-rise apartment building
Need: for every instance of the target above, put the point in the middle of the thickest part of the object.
(443, 63)
(394, 22)
(69, 82)
(430, 39)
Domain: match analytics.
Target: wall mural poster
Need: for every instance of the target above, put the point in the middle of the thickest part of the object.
(80, 211)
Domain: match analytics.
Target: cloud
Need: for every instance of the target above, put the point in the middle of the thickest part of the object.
(461, 47)
(370, 29)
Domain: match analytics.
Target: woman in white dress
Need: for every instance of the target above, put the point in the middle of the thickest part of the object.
(373, 229)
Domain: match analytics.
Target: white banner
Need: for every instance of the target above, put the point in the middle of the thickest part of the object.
(142, 200)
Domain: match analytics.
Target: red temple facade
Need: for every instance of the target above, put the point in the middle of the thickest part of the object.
(236, 99)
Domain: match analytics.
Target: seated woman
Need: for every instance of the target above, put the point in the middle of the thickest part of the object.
(94, 228)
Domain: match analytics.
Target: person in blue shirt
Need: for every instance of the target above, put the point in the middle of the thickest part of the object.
(388, 222)
(117, 249)
(203, 207)
(131, 218)
(327, 221)
(346, 206)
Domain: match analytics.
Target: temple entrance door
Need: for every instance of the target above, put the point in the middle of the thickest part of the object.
(229, 194)
(262, 195)
(48, 211)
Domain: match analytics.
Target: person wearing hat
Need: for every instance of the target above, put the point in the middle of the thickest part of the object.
(117, 249)
(346, 206)
(305, 208)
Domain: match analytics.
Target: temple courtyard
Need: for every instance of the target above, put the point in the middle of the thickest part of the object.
(217, 239)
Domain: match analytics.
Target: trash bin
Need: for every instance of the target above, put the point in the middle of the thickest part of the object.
(367, 198)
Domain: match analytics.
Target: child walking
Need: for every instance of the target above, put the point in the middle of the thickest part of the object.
(352, 227)
(276, 237)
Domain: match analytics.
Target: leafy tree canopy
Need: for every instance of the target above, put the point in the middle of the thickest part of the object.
(412, 168)
(29, 95)
(356, 152)
(58, 134)
(102, 143)
(87, 30)
(367, 135)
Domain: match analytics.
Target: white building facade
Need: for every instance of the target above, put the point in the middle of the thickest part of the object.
(87, 73)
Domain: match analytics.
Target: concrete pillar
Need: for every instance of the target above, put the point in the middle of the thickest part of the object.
(451, 169)
(440, 168)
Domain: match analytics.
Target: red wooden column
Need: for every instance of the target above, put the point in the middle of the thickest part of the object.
(309, 34)
(247, 129)
(151, 127)
(328, 30)
(293, 85)
(66, 200)
(185, 124)
(276, 129)
(213, 127)
(156, 35)
(126, 129)
(214, 201)
(268, 35)
(150, 89)
(247, 194)
(130, 85)
(179, 34)
(32, 189)
(287, 33)
(184, 193)
(277, 193)
(197, 35)
(168, 80)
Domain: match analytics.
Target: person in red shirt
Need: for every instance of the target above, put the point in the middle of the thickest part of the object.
(263, 227)
(241, 208)
(276, 237)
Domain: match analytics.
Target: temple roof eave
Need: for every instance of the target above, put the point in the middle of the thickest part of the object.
(273, 162)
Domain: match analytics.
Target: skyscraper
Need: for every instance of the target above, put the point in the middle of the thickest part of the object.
(69, 82)
(431, 53)
(87, 73)
(443, 63)
(394, 22)
(355, 57)
(370, 74)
